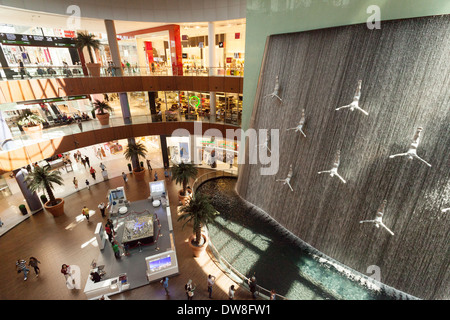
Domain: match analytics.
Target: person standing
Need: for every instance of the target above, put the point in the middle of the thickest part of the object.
(124, 176)
(86, 158)
(149, 166)
(211, 280)
(165, 284)
(102, 166)
(87, 183)
(80, 125)
(272, 294)
(34, 263)
(156, 176)
(188, 288)
(75, 182)
(92, 171)
(109, 231)
(252, 285)
(85, 212)
(83, 161)
(102, 208)
(231, 292)
(116, 250)
(21, 266)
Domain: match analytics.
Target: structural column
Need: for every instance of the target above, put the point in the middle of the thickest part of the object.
(212, 70)
(114, 46)
(32, 199)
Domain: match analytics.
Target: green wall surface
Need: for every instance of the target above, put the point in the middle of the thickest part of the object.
(270, 17)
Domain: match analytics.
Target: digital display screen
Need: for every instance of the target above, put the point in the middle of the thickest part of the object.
(160, 264)
(117, 194)
(157, 187)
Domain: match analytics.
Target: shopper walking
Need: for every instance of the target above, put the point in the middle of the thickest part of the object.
(92, 171)
(210, 282)
(85, 212)
(21, 266)
(75, 182)
(109, 232)
(102, 208)
(149, 166)
(165, 284)
(188, 288)
(86, 158)
(124, 176)
(80, 125)
(83, 161)
(156, 176)
(34, 263)
(102, 166)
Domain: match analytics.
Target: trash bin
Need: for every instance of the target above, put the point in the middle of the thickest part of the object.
(23, 209)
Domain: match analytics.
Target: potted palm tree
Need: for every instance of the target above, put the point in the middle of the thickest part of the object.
(200, 212)
(31, 124)
(86, 40)
(102, 109)
(181, 174)
(43, 179)
(132, 153)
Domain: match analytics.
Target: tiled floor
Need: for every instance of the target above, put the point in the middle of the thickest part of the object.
(68, 239)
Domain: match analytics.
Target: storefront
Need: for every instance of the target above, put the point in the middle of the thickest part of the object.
(215, 151)
(55, 111)
(178, 149)
(35, 51)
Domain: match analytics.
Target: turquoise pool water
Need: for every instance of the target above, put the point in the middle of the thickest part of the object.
(256, 245)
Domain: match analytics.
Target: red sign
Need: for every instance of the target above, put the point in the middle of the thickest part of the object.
(229, 60)
(237, 35)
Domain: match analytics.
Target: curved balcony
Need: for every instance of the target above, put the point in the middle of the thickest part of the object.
(25, 148)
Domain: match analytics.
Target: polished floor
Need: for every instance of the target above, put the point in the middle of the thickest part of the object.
(69, 240)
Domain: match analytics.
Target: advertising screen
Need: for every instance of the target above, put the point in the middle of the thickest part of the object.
(160, 264)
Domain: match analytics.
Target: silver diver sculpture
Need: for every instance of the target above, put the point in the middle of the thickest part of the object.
(333, 171)
(288, 178)
(265, 145)
(412, 151)
(379, 218)
(300, 125)
(445, 210)
(275, 90)
(355, 104)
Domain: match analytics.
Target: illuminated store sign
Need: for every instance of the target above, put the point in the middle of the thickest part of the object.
(35, 40)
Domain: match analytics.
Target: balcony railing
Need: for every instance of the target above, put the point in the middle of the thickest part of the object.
(60, 128)
(42, 72)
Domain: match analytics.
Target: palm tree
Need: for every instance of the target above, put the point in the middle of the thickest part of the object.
(182, 173)
(199, 211)
(44, 179)
(84, 39)
(101, 106)
(133, 152)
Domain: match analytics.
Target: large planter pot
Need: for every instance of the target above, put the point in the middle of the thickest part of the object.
(183, 198)
(103, 118)
(34, 132)
(139, 175)
(57, 210)
(198, 250)
(94, 69)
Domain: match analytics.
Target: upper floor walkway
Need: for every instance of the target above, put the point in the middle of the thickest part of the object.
(34, 88)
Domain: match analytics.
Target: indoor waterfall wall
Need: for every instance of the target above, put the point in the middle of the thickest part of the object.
(405, 73)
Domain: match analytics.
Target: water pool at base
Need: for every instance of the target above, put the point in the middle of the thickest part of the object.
(256, 245)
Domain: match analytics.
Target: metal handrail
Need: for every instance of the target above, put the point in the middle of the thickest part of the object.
(244, 280)
(50, 71)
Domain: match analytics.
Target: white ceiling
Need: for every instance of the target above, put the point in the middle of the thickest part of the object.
(22, 17)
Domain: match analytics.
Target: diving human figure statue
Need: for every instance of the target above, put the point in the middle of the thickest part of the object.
(355, 104)
(412, 151)
(275, 90)
(265, 145)
(445, 210)
(333, 171)
(288, 178)
(300, 125)
(379, 218)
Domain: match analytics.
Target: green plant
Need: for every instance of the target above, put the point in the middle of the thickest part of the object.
(200, 212)
(182, 173)
(84, 39)
(40, 179)
(101, 106)
(133, 152)
(30, 120)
